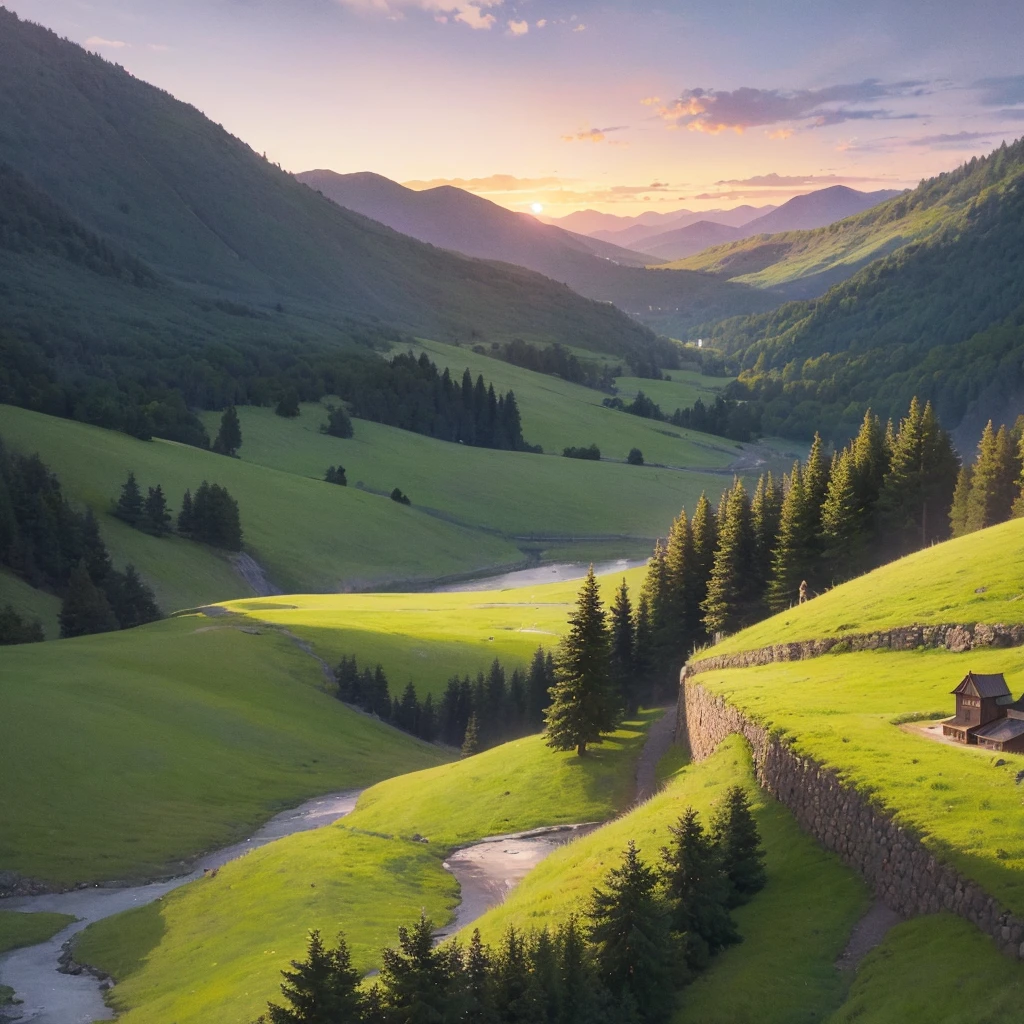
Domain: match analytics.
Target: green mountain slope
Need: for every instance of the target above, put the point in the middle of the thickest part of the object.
(942, 317)
(155, 177)
(804, 264)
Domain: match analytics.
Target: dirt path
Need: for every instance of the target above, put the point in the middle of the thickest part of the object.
(867, 933)
(49, 997)
(659, 740)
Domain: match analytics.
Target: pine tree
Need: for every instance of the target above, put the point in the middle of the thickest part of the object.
(418, 980)
(698, 891)
(215, 518)
(730, 595)
(288, 404)
(871, 462)
(816, 473)
(513, 992)
(129, 505)
(842, 519)
(16, 630)
(735, 834)
(322, 989)
(959, 511)
(655, 590)
(629, 928)
(677, 614)
(704, 541)
(338, 423)
(765, 513)
(186, 516)
(583, 703)
(643, 648)
(538, 682)
(480, 1007)
(132, 602)
(229, 437)
(622, 642)
(471, 741)
(155, 517)
(85, 608)
(793, 558)
(992, 481)
(580, 987)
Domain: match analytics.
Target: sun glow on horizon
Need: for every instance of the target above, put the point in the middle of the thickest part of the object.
(537, 207)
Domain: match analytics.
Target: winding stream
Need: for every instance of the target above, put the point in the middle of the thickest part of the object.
(486, 871)
(556, 572)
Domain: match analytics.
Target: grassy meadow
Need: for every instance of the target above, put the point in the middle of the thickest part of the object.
(30, 603)
(685, 387)
(844, 710)
(427, 638)
(210, 952)
(972, 579)
(193, 732)
(17, 930)
(764, 978)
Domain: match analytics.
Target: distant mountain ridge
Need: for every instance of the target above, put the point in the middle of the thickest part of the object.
(463, 222)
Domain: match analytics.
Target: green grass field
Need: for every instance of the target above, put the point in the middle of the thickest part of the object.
(839, 709)
(427, 638)
(192, 732)
(935, 970)
(976, 578)
(307, 534)
(17, 930)
(685, 387)
(557, 414)
(783, 970)
(514, 494)
(210, 952)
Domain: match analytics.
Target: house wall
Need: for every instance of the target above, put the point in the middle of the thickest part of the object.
(890, 858)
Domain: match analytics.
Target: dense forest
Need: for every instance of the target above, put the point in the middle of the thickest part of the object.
(725, 417)
(52, 546)
(943, 318)
(558, 361)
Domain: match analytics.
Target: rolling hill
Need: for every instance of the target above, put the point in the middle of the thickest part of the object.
(618, 230)
(941, 316)
(454, 219)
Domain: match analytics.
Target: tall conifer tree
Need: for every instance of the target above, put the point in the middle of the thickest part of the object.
(959, 511)
(704, 540)
(678, 567)
(584, 706)
(229, 436)
(731, 586)
(842, 519)
(622, 644)
(793, 558)
(992, 480)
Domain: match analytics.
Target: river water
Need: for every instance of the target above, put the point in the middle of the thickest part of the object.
(557, 572)
(486, 872)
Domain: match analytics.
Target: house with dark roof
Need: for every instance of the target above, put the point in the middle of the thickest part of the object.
(986, 714)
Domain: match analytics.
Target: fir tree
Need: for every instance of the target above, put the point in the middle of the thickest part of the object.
(643, 648)
(186, 517)
(155, 517)
(215, 519)
(678, 616)
(418, 980)
(583, 704)
(622, 643)
(85, 608)
(480, 1004)
(629, 927)
(538, 683)
(229, 437)
(871, 462)
(698, 890)
(959, 511)
(336, 475)
(842, 519)
(704, 541)
(730, 597)
(338, 423)
(765, 513)
(793, 558)
(288, 404)
(579, 986)
(655, 590)
(471, 742)
(513, 992)
(16, 630)
(132, 602)
(992, 480)
(816, 473)
(322, 989)
(129, 506)
(735, 834)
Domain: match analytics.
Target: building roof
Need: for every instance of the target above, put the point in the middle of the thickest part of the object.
(993, 685)
(959, 723)
(1001, 730)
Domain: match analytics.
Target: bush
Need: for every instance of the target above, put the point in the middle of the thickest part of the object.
(336, 475)
(402, 499)
(635, 457)
(338, 423)
(592, 453)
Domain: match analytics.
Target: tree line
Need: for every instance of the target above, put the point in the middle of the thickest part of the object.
(555, 360)
(473, 714)
(725, 417)
(991, 490)
(52, 546)
(210, 516)
(888, 492)
(645, 933)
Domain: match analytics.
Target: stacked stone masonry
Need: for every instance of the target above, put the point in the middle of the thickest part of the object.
(956, 637)
(891, 859)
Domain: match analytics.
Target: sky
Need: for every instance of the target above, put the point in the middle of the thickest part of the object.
(622, 106)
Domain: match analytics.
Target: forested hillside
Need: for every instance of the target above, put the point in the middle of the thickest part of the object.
(942, 318)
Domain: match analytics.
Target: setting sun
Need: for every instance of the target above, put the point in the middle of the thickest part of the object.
(537, 207)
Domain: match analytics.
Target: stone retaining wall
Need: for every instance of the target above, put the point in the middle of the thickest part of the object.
(890, 858)
(955, 637)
